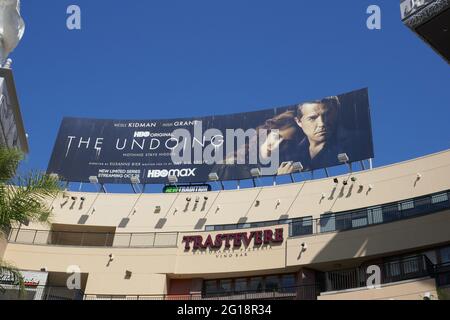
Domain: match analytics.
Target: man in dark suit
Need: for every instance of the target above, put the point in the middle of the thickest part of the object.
(324, 138)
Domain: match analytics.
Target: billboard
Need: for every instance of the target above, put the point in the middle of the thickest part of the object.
(410, 7)
(226, 147)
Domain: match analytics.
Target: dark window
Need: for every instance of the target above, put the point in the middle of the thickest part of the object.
(240, 285)
(256, 284)
(302, 226)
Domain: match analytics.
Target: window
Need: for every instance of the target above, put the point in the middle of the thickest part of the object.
(327, 222)
(343, 221)
(445, 255)
(240, 285)
(375, 215)
(225, 286)
(438, 198)
(256, 284)
(272, 283)
(391, 213)
(359, 219)
(210, 287)
(302, 226)
(288, 283)
(406, 208)
(406, 205)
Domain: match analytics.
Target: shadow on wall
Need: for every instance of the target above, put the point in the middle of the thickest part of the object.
(3, 243)
(403, 235)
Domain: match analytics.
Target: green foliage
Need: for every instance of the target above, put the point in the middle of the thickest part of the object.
(22, 198)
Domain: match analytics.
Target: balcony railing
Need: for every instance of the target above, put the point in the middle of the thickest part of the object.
(304, 292)
(393, 271)
(306, 226)
(94, 239)
(11, 292)
(354, 219)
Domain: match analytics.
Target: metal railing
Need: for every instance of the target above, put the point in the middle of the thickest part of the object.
(94, 239)
(442, 274)
(11, 292)
(328, 222)
(354, 219)
(304, 292)
(392, 271)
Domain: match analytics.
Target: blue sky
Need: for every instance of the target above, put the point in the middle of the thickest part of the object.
(168, 59)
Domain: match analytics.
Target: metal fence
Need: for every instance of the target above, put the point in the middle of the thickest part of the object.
(94, 239)
(354, 219)
(304, 292)
(391, 271)
(328, 222)
(10, 292)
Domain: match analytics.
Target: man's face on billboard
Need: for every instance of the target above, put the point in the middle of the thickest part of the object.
(317, 121)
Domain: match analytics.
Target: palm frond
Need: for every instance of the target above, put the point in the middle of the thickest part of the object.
(9, 161)
(9, 271)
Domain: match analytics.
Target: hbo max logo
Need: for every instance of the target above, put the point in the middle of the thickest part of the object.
(173, 172)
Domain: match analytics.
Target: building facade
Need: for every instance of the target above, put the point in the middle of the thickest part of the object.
(374, 234)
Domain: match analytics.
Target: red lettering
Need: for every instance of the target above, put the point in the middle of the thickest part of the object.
(246, 239)
(268, 236)
(208, 242)
(218, 241)
(237, 240)
(278, 235)
(227, 240)
(258, 238)
(198, 242)
(188, 241)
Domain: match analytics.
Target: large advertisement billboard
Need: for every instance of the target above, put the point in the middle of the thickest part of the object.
(228, 147)
(410, 7)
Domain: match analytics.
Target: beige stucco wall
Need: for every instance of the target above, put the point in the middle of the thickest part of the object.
(390, 183)
(406, 290)
(3, 244)
(152, 267)
(149, 266)
(384, 239)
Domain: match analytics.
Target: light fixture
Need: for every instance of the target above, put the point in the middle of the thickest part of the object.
(370, 187)
(135, 180)
(54, 176)
(344, 182)
(93, 179)
(255, 172)
(257, 202)
(323, 195)
(419, 176)
(213, 176)
(297, 166)
(353, 179)
(188, 199)
(172, 179)
(278, 202)
(343, 158)
(336, 180)
(82, 198)
(197, 199)
(205, 197)
(111, 257)
(73, 198)
(304, 246)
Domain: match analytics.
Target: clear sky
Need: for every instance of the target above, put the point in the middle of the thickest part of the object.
(166, 59)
